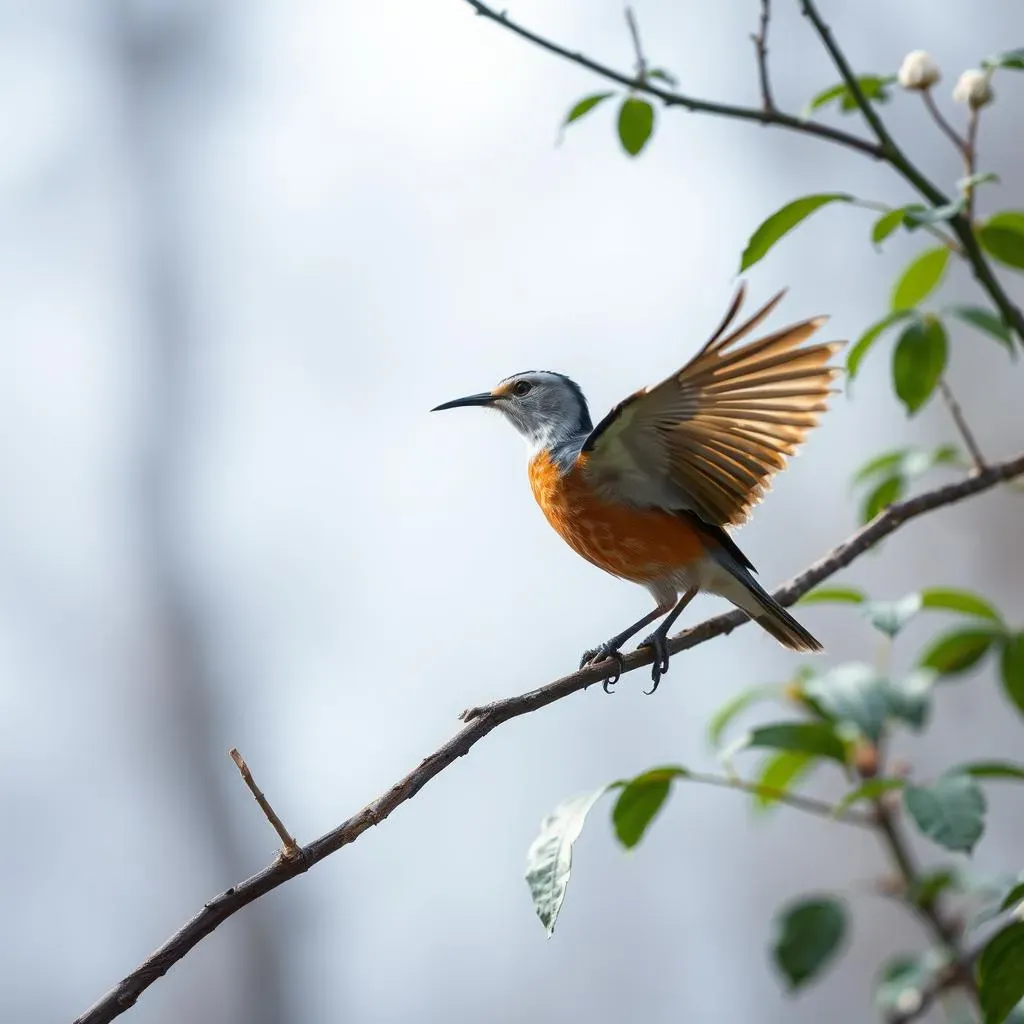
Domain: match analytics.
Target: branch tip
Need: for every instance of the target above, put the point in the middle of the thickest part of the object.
(290, 848)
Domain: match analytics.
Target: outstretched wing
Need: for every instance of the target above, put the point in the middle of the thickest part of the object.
(710, 437)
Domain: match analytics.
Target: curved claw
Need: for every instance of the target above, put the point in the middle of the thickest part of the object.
(660, 665)
(605, 653)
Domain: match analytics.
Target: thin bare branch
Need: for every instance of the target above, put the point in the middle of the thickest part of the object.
(677, 99)
(760, 38)
(961, 424)
(290, 848)
(951, 133)
(638, 50)
(482, 720)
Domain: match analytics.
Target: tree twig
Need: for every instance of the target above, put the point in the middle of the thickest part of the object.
(482, 720)
(961, 424)
(638, 50)
(951, 133)
(290, 848)
(760, 38)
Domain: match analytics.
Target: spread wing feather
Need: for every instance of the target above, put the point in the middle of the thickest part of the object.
(709, 438)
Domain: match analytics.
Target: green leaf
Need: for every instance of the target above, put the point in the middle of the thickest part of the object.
(853, 693)
(549, 859)
(918, 461)
(887, 463)
(991, 770)
(585, 106)
(636, 123)
(1002, 237)
(870, 790)
(927, 888)
(777, 774)
(918, 216)
(903, 978)
(1001, 973)
(640, 801)
(881, 498)
(951, 811)
(1013, 897)
(735, 705)
(918, 362)
(665, 76)
(870, 336)
(887, 224)
(1012, 667)
(808, 936)
(1012, 60)
(833, 595)
(910, 697)
(920, 278)
(874, 87)
(963, 601)
(985, 321)
(958, 650)
(889, 617)
(783, 221)
(800, 737)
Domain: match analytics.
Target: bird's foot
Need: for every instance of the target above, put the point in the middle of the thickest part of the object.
(659, 642)
(605, 652)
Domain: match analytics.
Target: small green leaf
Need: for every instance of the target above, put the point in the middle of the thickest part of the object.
(777, 774)
(800, 737)
(870, 790)
(927, 888)
(783, 221)
(919, 216)
(853, 693)
(887, 463)
(963, 601)
(870, 336)
(918, 461)
(735, 705)
(887, 492)
(1012, 667)
(910, 696)
(1001, 973)
(1011, 60)
(874, 87)
(1013, 897)
(833, 595)
(904, 978)
(640, 801)
(636, 123)
(918, 362)
(585, 106)
(887, 224)
(549, 859)
(808, 936)
(958, 650)
(985, 321)
(951, 811)
(920, 278)
(665, 76)
(991, 770)
(1002, 237)
(889, 617)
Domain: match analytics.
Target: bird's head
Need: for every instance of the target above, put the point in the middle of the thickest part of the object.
(544, 407)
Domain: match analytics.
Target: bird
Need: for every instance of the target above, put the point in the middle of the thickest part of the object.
(650, 494)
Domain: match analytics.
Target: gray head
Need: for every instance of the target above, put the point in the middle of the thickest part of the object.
(546, 408)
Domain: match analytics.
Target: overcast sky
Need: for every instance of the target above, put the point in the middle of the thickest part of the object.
(334, 216)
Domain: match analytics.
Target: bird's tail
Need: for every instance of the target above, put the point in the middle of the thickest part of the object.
(746, 593)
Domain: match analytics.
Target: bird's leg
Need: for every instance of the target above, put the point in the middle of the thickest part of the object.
(610, 648)
(659, 639)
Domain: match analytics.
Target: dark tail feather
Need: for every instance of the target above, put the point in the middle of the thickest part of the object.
(777, 621)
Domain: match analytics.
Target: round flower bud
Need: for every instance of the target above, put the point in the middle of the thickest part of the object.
(918, 71)
(974, 89)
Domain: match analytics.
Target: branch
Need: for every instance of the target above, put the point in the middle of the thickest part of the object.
(638, 50)
(948, 977)
(761, 49)
(482, 720)
(678, 99)
(290, 848)
(961, 424)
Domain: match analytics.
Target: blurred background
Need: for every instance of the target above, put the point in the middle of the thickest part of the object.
(243, 249)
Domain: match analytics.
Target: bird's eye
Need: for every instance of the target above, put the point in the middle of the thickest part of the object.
(522, 387)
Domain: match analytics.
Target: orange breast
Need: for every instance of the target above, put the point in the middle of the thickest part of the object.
(636, 544)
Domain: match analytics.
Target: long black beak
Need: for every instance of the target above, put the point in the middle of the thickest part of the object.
(484, 398)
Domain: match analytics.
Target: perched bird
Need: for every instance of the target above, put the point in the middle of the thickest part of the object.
(648, 494)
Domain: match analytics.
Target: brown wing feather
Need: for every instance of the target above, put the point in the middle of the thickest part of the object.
(716, 431)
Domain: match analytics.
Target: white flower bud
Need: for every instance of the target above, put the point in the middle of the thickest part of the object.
(974, 89)
(918, 71)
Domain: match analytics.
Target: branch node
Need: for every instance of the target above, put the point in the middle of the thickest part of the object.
(290, 849)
